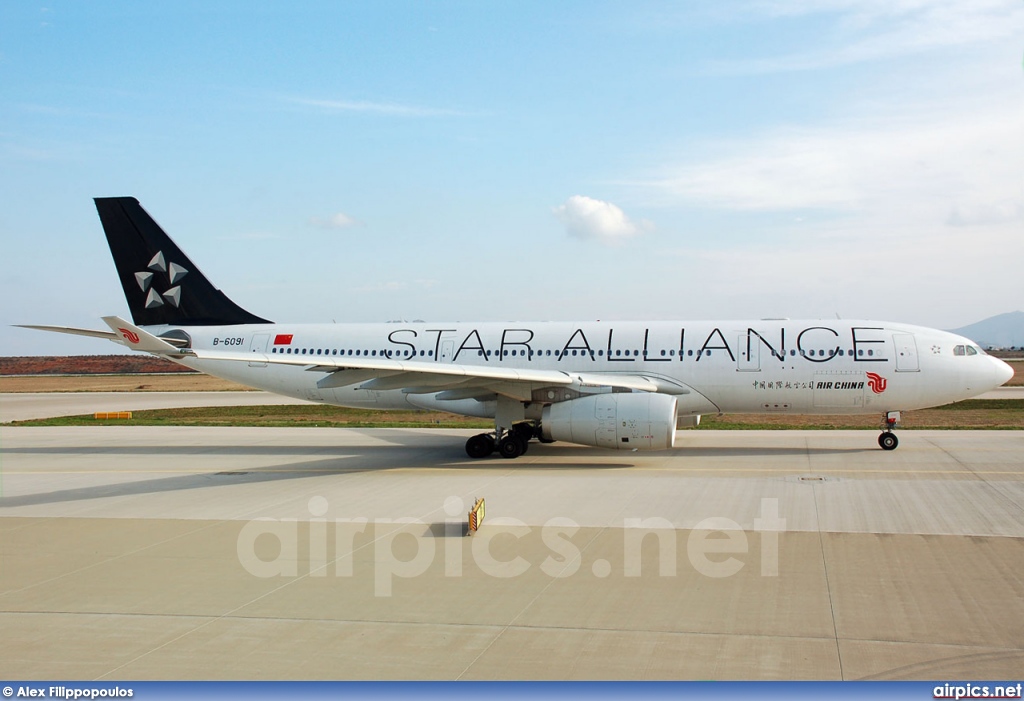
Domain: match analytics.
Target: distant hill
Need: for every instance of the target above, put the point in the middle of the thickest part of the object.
(1002, 331)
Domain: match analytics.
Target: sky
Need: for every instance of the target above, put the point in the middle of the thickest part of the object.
(508, 161)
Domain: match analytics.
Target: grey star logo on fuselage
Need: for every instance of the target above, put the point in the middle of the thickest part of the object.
(146, 278)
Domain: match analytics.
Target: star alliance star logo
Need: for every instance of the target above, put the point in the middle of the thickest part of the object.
(174, 273)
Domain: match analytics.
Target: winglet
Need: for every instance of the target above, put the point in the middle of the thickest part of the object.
(139, 339)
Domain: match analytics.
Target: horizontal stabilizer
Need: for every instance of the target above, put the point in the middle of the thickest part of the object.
(109, 335)
(139, 339)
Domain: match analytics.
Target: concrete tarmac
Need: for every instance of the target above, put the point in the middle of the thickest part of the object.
(203, 553)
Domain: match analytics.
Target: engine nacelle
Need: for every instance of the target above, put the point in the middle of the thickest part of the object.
(620, 421)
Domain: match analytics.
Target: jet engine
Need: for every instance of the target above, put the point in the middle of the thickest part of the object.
(620, 421)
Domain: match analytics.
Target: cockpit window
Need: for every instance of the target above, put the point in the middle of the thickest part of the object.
(967, 350)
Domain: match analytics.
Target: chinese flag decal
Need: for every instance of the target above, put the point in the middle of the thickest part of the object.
(283, 339)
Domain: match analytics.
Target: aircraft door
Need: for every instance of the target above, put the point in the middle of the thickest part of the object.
(259, 348)
(906, 353)
(447, 351)
(748, 358)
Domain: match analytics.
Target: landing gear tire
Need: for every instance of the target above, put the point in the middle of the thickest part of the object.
(888, 441)
(524, 430)
(511, 446)
(480, 446)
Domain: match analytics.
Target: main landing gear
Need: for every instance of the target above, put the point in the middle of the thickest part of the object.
(888, 440)
(512, 444)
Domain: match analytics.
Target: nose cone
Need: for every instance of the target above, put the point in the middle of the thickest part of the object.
(1004, 371)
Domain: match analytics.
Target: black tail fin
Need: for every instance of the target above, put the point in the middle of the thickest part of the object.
(161, 284)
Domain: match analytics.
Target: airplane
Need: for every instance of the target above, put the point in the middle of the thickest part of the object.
(624, 385)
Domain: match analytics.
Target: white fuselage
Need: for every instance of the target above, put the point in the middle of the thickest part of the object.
(767, 366)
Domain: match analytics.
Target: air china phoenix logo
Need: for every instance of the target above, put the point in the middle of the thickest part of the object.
(146, 279)
(129, 336)
(876, 382)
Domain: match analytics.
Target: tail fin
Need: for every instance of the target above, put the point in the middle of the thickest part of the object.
(161, 284)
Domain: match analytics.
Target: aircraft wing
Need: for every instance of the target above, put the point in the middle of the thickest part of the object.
(417, 377)
(456, 381)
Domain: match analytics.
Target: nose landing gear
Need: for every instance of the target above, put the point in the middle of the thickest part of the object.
(888, 440)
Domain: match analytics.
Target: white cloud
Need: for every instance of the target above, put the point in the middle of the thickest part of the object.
(250, 236)
(947, 166)
(335, 221)
(595, 220)
(939, 277)
(393, 109)
(391, 286)
(869, 30)
(986, 214)
(397, 286)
